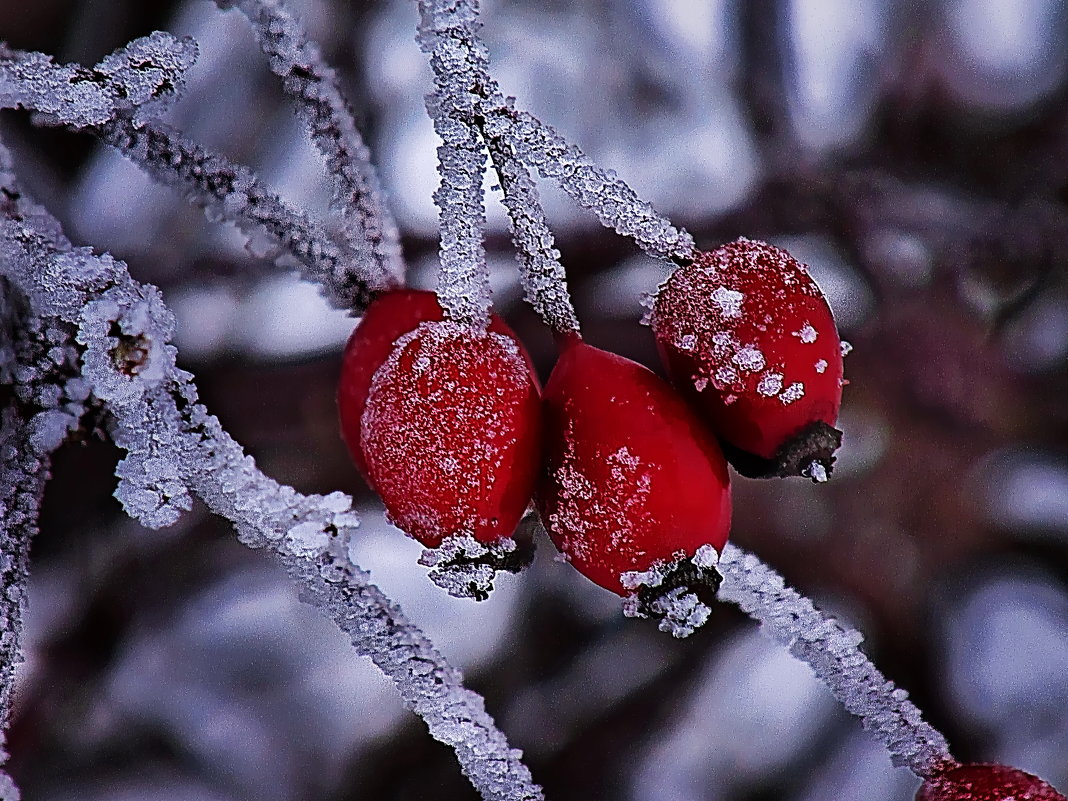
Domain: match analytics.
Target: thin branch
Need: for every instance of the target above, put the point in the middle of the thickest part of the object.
(832, 650)
(141, 79)
(370, 230)
(232, 192)
(463, 286)
(543, 277)
(226, 191)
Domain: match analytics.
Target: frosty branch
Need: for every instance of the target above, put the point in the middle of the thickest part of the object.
(226, 191)
(370, 231)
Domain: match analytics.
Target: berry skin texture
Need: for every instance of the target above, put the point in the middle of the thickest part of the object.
(986, 783)
(748, 337)
(451, 433)
(632, 477)
(389, 317)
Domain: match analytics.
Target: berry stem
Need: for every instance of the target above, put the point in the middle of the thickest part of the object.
(456, 60)
(543, 276)
(832, 650)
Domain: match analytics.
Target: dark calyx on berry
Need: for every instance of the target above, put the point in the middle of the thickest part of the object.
(808, 453)
(679, 594)
(465, 567)
(986, 783)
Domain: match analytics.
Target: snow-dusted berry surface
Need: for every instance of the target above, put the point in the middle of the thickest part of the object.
(746, 332)
(452, 433)
(631, 476)
(986, 783)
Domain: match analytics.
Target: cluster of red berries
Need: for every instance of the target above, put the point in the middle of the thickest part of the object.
(628, 473)
(449, 426)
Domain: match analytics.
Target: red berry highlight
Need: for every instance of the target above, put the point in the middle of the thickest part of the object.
(633, 480)
(747, 335)
(389, 317)
(451, 433)
(986, 783)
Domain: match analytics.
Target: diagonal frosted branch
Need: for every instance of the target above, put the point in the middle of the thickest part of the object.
(463, 287)
(370, 230)
(232, 192)
(226, 191)
(832, 651)
(452, 25)
(543, 277)
(140, 79)
(616, 205)
(175, 447)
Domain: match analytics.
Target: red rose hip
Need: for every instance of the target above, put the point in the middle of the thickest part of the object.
(986, 783)
(635, 492)
(451, 433)
(747, 335)
(390, 316)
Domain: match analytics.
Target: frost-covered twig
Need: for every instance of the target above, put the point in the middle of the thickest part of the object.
(232, 192)
(463, 288)
(23, 470)
(44, 401)
(370, 230)
(832, 650)
(226, 191)
(543, 278)
(517, 139)
(176, 448)
(616, 205)
(141, 79)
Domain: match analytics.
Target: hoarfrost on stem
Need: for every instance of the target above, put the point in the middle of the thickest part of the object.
(543, 277)
(832, 651)
(370, 231)
(226, 191)
(141, 79)
(176, 448)
(463, 285)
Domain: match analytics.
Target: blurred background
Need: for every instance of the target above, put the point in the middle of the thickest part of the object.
(914, 154)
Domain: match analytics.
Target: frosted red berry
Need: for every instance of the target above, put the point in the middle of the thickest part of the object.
(747, 335)
(632, 477)
(389, 317)
(986, 783)
(451, 433)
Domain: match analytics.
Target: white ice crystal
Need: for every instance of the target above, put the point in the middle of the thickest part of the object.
(792, 393)
(807, 334)
(729, 301)
(749, 358)
(770, 384)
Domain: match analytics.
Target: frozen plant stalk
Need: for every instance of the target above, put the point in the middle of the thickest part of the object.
(832, 651)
